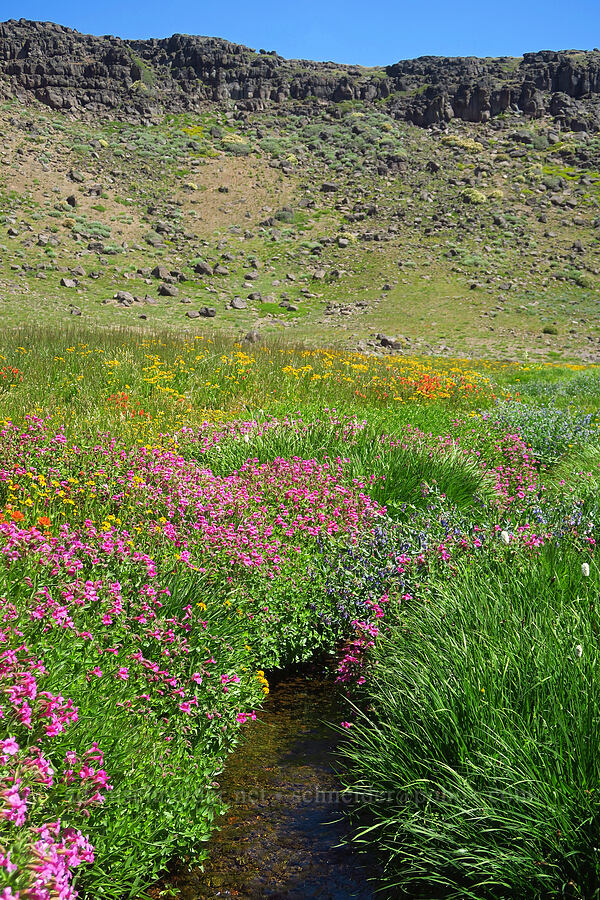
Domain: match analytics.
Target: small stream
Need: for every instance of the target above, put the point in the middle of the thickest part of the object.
(279, 837)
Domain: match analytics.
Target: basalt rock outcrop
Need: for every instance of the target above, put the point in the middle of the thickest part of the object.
(106, 75)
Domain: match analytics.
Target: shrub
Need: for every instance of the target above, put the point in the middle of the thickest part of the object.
(460, 142)
(472, 195)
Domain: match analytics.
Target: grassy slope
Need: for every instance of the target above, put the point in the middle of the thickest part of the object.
(448, 275)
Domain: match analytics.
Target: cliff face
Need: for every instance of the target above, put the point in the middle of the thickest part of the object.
(109, 76)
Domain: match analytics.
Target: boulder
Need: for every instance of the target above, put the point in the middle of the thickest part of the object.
(202, 268)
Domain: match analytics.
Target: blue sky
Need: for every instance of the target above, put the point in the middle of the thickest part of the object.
(376, 33)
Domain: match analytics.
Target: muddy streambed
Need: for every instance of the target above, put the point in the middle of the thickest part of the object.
(285, 818)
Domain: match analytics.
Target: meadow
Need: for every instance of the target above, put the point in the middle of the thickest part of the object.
(179, 517)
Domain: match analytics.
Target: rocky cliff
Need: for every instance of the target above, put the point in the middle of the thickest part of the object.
(106, 75)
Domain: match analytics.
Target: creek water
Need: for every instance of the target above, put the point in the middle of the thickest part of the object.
(279, 838)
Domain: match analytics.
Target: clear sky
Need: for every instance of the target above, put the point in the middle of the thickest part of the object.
(367, 33)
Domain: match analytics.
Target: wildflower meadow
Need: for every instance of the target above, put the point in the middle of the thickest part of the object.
(180, 518)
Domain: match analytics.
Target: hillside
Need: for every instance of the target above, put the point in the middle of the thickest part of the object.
(436, 205)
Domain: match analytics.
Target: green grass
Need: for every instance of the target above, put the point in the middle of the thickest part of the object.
(430, 301)
(482, 733)
(471, 756)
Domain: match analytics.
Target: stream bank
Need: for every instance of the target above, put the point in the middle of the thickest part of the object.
(278, 839)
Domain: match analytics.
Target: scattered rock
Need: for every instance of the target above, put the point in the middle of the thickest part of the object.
(168, 290)
(124, 298)
(202, 268)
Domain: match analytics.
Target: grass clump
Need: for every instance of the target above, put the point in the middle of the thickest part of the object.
(476, 761)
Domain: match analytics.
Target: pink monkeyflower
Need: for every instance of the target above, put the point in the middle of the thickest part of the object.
(5, 863)
(123, 673)
(9, 746)
(15, 805)
(7, 894)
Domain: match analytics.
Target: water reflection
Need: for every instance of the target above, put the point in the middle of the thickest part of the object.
(278, 840)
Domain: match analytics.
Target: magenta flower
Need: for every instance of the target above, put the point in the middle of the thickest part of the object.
(9, 746)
